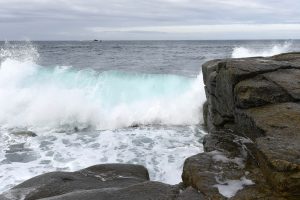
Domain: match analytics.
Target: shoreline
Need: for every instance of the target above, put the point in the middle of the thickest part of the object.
(252, 115)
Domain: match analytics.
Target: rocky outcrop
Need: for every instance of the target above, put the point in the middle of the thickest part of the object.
(107, 182)
(252, 114)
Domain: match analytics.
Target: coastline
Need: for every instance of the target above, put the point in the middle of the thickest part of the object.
(252, 115)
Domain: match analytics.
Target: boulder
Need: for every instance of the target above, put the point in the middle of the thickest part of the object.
(95, 177)
(142, 191)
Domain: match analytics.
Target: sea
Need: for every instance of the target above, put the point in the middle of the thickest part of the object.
(67, 105)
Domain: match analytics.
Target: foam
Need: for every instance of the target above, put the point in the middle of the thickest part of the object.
(242, 52)
(34, 96)
(229, 188)
(85, 117)
(219, 156)
(161, 149)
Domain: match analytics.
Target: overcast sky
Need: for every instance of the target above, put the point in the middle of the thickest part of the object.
(149, 19)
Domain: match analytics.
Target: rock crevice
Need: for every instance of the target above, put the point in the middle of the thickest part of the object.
(256, 101)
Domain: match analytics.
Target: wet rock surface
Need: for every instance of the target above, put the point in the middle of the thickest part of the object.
(253, 118)
(107, 181)
(95, 177)
(146, 190)
(24, 133)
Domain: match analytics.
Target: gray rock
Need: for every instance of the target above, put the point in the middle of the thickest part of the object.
(143, 191)
(24, 133)
(278, 151)
(191, 194)
(258, 91)
(288, 80)
(258, 99)
(95, 177)
(224, 159)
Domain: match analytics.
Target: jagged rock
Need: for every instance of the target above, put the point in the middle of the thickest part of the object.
(258, 99)
(221, 77)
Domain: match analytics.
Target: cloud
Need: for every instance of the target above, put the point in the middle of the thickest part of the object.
(204, 28)
(48, 19)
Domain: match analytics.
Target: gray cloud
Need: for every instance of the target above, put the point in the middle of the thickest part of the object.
(131, 19)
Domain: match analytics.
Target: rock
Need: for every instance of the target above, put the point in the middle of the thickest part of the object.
(224, 159)
(221, 77)
(95, 177)
(255, 100)
(108, 181)
(227, 160)
(24, 133)
(253, 116)
(287, 56)
(278, 152)
(288, 80)
(190, 194)
(142, 191)
(257, 92)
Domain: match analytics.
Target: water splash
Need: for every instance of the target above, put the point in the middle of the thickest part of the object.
(33, 96)
(24, 51)
(243, 52)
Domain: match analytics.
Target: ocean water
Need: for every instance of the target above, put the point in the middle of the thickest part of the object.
(89, 103)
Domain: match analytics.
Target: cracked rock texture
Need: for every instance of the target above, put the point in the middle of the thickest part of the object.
(252, 115)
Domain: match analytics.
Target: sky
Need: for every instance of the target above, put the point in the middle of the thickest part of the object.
(149, 19)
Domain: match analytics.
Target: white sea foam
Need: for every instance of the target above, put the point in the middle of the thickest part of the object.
(161, 149)
(33, 96)
(242, 52)
(55, 101)
(229, 188)
(221, 157)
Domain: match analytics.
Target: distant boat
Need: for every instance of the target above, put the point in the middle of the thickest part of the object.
(97, 40)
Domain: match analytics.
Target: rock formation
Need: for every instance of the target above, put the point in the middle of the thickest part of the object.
(252, 115)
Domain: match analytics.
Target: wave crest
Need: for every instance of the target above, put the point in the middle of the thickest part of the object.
(33, 96)
(243, 52)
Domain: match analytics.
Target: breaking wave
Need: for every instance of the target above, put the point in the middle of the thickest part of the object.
(242, 52)
(34, 96)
